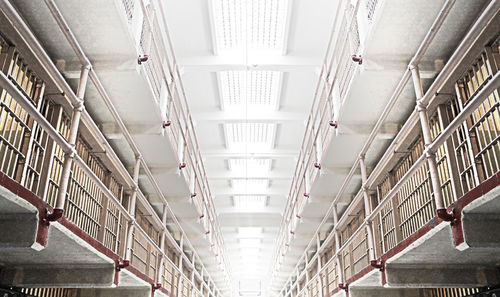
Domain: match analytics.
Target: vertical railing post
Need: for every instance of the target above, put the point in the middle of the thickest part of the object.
(340, 270)
(426, 132)
(104, 211)
(368, 210)
(298, 281)
(135, 176)
(45, 175)
(68, 157)
(459, 90)
(41, 87)
(132, 207)
(162, 245)
(444, 121)
(395, 214)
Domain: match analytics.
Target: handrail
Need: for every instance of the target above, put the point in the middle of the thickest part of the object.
(47, 64)
(26, 104)
(475, 102)
(107, 100)
(424, 45)
(160, 48)
(292, 200)
(205, 180)
(458, 55)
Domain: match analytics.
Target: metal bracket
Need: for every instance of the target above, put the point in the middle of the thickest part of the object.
(120, 264)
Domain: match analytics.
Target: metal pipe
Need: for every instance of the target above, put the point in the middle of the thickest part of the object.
(54, 134)
(426, 134)
(54, 10)
(35, 47)
(366, 198)
(443, 13)
(310, 119)
(68, 157)
(70, 37)
(475, 102)
(473, 34)
(66, 30)
(135, 187)
(199, 165)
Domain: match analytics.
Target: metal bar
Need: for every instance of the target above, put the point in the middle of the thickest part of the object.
(25, 103)
(426, 132)
(395, 96)
(135, 187)
(474, 103)
(95, 79)
(472, 35)
(36, 48)
(68, 158)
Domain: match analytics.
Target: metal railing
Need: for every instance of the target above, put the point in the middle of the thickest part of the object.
(409, 204)
(34, 131)
(404, 199)
(335, 77)
(162, 71)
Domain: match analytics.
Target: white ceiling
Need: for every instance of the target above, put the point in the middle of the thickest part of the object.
(249, 98)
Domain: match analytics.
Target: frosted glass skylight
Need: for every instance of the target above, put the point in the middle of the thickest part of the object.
(250, 137)
(249, 91)
(250, 202)
(250, 186)
(250, 167)
(253, 25)
(249, 232)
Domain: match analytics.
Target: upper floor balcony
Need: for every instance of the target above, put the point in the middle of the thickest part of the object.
(415, 169)
(77, 162)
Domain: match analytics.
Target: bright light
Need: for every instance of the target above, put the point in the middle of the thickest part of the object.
(253, 25)
(250, 167)
(250, 203)
(250, 242)
(249, 232)
(250, 186)
(249, 92)
(250, 137)
(249, 254)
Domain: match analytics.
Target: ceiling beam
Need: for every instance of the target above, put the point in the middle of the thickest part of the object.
(274, 153)
(271, 190)
(282, 63)
(263, 116)
(273, 174)
(265, 210)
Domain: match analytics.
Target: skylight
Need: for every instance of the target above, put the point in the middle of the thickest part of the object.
(250, 242)
(250, 203)
(250, 167)
(250, 137)
(256, 25)
(249, 91)
(249, 232)
(250, 186)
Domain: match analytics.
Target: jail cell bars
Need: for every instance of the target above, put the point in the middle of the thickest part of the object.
(466, 159)
(16, 126)
(330, 278)
(49, 292)
(29, 156)
(484, 124)
(450, 292)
